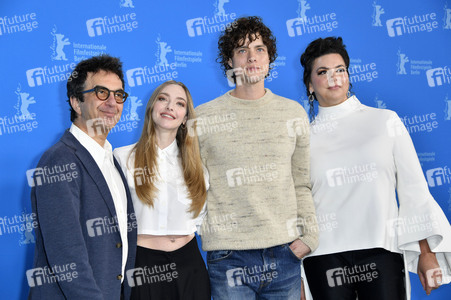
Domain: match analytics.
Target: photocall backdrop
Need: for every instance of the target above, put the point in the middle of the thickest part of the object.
(400, 60)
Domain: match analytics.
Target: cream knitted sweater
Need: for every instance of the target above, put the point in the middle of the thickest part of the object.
(257, 155)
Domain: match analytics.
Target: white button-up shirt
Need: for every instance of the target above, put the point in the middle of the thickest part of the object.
(103, 157)
(170, 213)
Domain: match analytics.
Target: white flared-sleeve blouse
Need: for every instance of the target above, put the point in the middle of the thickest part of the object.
(360, 158)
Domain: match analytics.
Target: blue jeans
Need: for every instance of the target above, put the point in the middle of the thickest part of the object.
(271, 273)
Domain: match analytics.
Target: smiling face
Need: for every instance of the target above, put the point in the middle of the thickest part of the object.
(170, 108)
(329, 80)
(252, 59)
(108, 111)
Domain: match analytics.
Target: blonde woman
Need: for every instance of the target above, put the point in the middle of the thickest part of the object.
(168, 185)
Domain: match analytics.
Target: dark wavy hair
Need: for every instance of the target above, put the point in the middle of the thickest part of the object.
(317, 48)
(77, 79)
(235, 35)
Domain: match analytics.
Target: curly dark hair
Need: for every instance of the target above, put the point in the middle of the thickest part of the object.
(77, 79)
(235, 35)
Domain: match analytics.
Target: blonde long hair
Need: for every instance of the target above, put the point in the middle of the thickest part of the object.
(146, 155)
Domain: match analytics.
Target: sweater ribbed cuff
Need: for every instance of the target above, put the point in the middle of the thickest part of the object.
(310, 241)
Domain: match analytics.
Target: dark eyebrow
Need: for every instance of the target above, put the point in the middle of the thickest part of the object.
(319, 68)
(256, 46)
(102, 87)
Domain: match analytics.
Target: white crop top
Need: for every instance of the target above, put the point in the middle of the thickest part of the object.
(170, 213)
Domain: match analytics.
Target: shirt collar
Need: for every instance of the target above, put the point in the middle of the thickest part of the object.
(171, 152)
(337, 111)
(98, 152)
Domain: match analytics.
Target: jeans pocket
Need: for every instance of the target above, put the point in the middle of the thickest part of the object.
(292, 253)
(218, 255)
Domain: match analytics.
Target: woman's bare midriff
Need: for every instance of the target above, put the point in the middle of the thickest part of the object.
(164, 242)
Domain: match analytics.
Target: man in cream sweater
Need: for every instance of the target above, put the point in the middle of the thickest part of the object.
(260, 218)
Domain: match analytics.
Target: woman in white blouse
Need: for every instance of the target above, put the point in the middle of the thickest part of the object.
(360, 158)
(168, 185)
